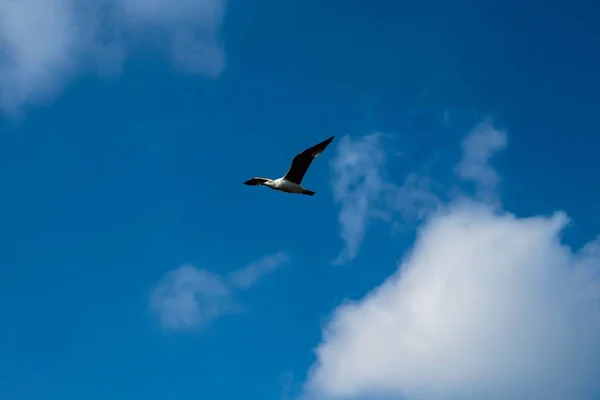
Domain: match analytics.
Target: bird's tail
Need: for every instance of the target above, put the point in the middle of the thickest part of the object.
(308, 192)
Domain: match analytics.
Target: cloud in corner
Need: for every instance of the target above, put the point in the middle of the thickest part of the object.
(45, 44)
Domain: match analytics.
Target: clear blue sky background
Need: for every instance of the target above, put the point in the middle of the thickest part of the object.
(119, 180)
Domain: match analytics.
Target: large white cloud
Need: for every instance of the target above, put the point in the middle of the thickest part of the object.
(45, 43)
(486, 305)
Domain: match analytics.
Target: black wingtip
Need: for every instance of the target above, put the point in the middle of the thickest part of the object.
(327, 141)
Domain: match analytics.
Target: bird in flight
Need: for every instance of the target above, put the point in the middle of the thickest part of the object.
(291, 181)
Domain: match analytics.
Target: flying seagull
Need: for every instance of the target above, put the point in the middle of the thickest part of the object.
(291, 181)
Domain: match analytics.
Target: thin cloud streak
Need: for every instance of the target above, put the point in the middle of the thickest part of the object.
(363, 191)
(358, 184)
(246, 277)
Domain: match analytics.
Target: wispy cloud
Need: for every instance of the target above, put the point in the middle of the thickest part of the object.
(358, 183)
(188, 297)
(46, 43)
(478, 148)
(486, 305)
(244, 278)
(364, 192)
(414, 199)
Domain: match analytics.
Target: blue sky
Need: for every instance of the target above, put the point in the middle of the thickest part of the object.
(128, 127)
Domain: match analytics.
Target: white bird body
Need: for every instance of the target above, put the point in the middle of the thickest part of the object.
(291, 182)
(285, 186)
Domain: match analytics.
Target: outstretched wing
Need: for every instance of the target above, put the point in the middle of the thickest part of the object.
(256, 181)
(302, 161)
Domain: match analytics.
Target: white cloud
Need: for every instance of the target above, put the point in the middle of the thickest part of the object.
(244, 278)
(364, 192)
(486, 305)
(358, 183)
(46, 43)
(414, 199)
(189, 297)
(478, 148)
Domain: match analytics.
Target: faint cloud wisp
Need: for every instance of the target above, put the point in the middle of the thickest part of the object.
(244, 278)
(358, 183)
(478, 148)
(188, 297)
(363, 191)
